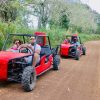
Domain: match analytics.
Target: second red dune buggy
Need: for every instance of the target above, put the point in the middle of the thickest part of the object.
(72, 47)
(13, 66)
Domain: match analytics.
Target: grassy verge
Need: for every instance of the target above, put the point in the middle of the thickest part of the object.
(89, 37)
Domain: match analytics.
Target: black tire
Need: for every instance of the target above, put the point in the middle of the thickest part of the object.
(56, 62)
(28, 79)
(77, 56)
(84, 50)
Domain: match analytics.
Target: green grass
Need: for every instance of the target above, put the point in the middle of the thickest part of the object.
(89, 37)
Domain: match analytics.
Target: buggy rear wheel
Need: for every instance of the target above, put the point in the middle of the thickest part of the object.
(56, 62)
(29, 79)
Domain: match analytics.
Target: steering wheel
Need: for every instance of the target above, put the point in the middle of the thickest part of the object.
(25, 50)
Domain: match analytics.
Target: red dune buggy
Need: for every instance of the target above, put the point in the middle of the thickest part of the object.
(72, 47)
(13, 66)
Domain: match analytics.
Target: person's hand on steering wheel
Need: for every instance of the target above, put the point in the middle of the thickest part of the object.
(26, 48)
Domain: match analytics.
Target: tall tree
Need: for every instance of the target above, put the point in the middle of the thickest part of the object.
(8, 10)
(64, 20)
(47, 10)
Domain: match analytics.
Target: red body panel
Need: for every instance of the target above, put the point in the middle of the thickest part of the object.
(44, 65)
(65, 49)
(4, 59)
(3, 69)
(39, 33)
(5, 55)
(44, 38)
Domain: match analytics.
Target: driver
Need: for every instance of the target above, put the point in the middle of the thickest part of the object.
(33, 48)
(75, 40)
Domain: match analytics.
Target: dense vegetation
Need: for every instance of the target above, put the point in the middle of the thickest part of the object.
(61, 16)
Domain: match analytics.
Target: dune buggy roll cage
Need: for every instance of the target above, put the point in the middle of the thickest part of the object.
(24, 40)
(77, 36)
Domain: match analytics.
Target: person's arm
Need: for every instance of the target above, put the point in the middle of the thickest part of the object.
(38, 49)
(14, 47)
(29, 46)
(23, 46)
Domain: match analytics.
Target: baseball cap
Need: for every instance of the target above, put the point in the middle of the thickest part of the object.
(32, 37)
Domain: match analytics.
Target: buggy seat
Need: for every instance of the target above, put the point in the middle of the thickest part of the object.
(45, 50)
(44, 54)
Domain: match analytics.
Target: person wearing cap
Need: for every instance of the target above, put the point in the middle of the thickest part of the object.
(34, 47)
(75, 40)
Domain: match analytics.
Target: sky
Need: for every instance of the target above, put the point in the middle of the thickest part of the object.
(94, 4)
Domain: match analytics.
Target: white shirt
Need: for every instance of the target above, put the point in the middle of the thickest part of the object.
(37, 47)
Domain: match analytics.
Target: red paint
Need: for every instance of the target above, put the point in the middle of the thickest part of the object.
(75, 35)
(44, 37)
(64, 49)
(44, 65)
(4, 59)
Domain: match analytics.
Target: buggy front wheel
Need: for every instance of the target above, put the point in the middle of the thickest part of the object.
(28, 79)
(77, 56)
(84, 50)
(56, 62)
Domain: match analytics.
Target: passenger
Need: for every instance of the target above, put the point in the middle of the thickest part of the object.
(35, 48)
(16, 44)
(66, 41)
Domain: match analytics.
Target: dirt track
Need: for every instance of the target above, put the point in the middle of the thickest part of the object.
(76, 80)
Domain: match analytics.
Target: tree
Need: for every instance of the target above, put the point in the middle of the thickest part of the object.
(40, 9)
(8, 11)
(47, 10)
(64, 20)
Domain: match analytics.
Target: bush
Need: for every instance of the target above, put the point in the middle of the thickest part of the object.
(56, 35)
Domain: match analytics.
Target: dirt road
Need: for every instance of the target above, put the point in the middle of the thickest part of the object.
(76, 80)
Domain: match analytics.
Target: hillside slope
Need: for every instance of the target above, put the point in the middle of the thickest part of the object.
(82, 16)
